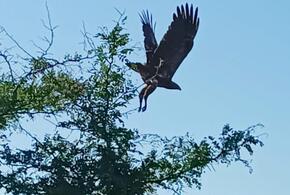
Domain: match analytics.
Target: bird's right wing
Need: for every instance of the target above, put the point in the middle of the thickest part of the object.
(177, 41)
(150, 43)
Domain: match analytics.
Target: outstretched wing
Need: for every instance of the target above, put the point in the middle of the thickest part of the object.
(148, 31)
(177, 42)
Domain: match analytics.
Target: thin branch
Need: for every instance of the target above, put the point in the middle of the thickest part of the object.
(87, 39)
(5, 57)
(29, 134)
(16, 42)
(132, 90)
(129, 111)
(51, 63)
(51, 30)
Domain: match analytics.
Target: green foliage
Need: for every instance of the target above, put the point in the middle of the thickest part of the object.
(102, 156)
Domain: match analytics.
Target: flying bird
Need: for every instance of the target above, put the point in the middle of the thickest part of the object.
(164, 59)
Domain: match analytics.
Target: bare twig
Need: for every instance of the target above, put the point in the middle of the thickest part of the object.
(15, 42)
(48, 26)
(5, 57)
(51, 29)
(129, 111)
(29, 134)
(87, 40)
(129, 91)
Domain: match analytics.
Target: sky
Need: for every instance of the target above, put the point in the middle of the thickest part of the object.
(237, 73)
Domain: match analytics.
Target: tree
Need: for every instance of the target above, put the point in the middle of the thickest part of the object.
(85, 94)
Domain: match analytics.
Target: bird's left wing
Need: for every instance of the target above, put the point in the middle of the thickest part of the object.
(150, 43)
(177, 42)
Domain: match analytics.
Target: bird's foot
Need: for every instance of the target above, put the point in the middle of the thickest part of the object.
(140, 108)
(144, 108)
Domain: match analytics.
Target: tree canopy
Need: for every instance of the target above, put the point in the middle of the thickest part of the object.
(87, 95)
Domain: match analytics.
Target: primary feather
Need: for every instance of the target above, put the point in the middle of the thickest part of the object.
(149, 36)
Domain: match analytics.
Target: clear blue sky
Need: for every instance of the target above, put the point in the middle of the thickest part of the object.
(238, 73)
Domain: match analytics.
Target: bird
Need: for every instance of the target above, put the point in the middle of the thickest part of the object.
(163, 60)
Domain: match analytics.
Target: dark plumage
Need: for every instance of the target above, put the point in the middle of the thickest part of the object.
(164, 60)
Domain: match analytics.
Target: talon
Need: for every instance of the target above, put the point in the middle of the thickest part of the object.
(144, 108)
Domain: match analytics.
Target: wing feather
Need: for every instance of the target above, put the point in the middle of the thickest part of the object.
(177, 42)
(150, 43)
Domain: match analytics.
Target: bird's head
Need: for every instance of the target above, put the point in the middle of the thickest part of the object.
(134, 66)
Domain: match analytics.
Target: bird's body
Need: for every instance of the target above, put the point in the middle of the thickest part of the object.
(164, 59)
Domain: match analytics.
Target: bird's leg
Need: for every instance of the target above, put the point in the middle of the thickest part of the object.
(149, 89)
(141, 96)
(161, 63)
(153, 78)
